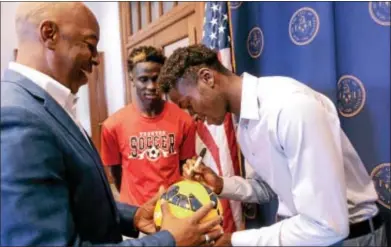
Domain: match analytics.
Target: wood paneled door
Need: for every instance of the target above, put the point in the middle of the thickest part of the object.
(97, 100)
(98, 104)
(160, 24)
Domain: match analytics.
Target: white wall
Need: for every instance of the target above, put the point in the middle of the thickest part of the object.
(8, 35)
(110, 43)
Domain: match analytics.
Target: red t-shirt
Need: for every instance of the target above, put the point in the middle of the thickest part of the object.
(149, 149)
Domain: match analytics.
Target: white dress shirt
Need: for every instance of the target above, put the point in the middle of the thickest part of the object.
(61, 94)
(291, 136)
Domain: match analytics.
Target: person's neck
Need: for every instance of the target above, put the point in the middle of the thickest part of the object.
(233, 92)
(34, 58)
(32, 61)
(151, 110)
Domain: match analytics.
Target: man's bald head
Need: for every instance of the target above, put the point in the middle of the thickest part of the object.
(30, 15)
(59, 39)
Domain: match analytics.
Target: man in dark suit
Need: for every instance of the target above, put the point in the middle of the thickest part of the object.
(53, 189)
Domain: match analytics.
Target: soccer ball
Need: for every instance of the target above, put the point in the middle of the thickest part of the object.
(153, 153)
(186, 197)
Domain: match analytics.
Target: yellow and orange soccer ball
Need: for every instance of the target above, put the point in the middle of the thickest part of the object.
(186, 197)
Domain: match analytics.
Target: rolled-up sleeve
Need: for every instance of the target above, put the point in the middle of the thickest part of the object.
(251, 190)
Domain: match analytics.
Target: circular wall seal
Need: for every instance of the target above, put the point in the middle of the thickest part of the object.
(304, 26)
(255, 42)
(235, 5)
(381, 176)
(351, 96)
(380, 12)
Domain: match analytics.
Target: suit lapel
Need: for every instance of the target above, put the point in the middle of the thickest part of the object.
(51, 106)
(102, 173)
(66, 121)
(98, 161)
(61, 117)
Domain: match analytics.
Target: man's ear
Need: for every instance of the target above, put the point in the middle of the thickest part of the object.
(206, 76)
(131, 78)
(49, 33)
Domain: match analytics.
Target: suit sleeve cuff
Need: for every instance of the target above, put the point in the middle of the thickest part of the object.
(126, 215)
(167, 236)
(162, 238)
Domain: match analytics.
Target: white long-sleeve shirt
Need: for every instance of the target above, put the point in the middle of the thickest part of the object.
(292, 138)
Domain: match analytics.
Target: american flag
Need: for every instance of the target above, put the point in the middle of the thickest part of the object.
(223, 156)
(216, 34)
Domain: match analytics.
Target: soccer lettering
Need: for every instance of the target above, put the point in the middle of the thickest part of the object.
(157, 140)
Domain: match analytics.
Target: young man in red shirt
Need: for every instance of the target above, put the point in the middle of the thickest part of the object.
(146, 142)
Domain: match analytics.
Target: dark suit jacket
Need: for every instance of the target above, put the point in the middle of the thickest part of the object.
(53, 188)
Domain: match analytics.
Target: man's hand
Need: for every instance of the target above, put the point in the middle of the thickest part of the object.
(190, 231)
(143, 218)
(203, 174)
(224, 240)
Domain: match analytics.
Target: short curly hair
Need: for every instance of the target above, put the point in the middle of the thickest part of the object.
(186, 61)
(145, 54)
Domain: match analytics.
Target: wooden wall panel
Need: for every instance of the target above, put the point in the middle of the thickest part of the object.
(183, 20)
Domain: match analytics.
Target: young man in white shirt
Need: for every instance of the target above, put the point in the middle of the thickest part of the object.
(292, 137)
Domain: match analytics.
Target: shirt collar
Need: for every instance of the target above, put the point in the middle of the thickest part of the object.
(249, 102)
(59, 92)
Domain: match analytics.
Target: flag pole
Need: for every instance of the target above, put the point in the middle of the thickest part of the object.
(233, 62)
